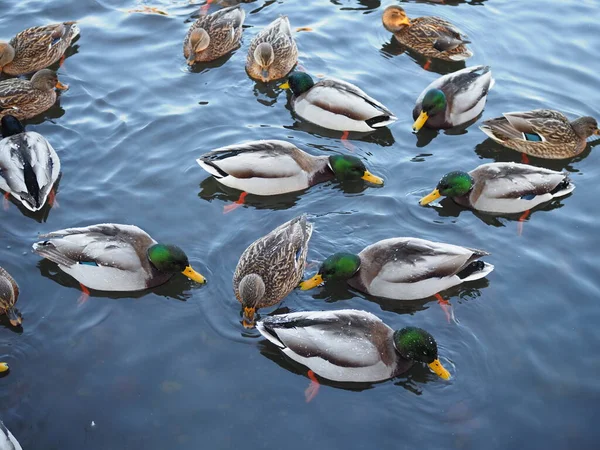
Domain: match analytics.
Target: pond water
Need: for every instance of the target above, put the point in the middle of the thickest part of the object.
(173, 368)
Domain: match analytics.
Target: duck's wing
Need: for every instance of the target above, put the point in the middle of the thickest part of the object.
(14, 92)
(230, 20)
(111, 245)
(258, 159)
(515, 181)
(344, 338)
(29, 166)
(37, 41)
(540, 125)
(410, 260)
(7, 440)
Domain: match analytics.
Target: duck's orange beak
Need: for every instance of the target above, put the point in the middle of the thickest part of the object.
(62, 87)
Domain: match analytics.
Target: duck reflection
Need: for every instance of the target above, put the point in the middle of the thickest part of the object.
(365, 5)
(448, 2)
(381, 136)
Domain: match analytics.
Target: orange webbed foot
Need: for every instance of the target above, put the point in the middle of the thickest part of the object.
(85, 295)
(52, 199)
(235, 205)
(427, 65)
(5, 202)
(445, 305)
(346, 143)
(61, 61)
(312, 390)
(522, 219)
(524, 158)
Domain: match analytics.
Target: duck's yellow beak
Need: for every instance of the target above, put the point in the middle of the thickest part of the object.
(4, 367)
(435, 194)
(405, 21)
(439, 370)
(62, 87)
(285, 85)
(312, 283)
(193, 275)
(420, 121)
(248, 320)
(368, 176)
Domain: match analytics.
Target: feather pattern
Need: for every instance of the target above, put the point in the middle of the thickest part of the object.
(29, 167)
(344, 345)
(278, 259)
(9, 292)
(20, 98)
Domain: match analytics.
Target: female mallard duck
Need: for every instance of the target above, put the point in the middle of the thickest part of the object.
(29, 166)
(336, 105)
(214, 35)
(112, 257)
(9, 294)
(28, 98)
(351, 345)
(278, 167)
(432, 37)
(454, 99)
(7, 440)
(403, 268)
(36, 48)
(271, 267)
(273, 52)
(502, 187)
(542, 133)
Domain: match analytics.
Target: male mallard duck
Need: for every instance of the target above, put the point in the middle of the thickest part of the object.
(214, 35)
(113, 257)
(277, 167)
(271, 267)
(28, 98)
(403, 268)
(454, 99)
(9, 294)
(430, 36)
(502, 187)
(273, 52)
(29, 166)
(7, 440)
(336, 105)
(351, 345)
(542, 133)
(36, 48)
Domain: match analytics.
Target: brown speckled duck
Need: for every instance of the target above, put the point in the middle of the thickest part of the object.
(36, 48)
(24, 99)
(214, 35)
(542, 133)
(432, 37)
(9, 294)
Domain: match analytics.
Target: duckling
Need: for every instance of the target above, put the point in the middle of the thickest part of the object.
(24, 99)
(273, 52)
(432, 37)
(36, 48)
(29, 166)
(9, 294)
(214, 35)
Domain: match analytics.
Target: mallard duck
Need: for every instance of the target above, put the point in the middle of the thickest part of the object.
(214, 35)
(28, 98)
(336, 105)
(9, 294)
(502, 187)
(277, 167)
(403, 268)
(7, 440)
(113, 257)
(271, 267)
(273, 52)
(29, 166)
(542, 133)
(432, 37)
(454, 99)
(351, 345)
(36, 48)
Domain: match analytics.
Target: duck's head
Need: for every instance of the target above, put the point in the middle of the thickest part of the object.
(47, 80)
(251, 291)
(585, 127)
(395, 19)
(171, 259)
(340, 266)
(453, 184)
(416, 344)
(7, 54)
(433, 103)
(199, 41)
(11, 126)
(264, 57)
(7, 302)
(347, 167)
(298, 82)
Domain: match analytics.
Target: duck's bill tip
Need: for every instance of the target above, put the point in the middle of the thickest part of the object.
(374, 179)
(193, 275)
(4, 367)
(249, 319)
(420, 122)
(311, 283)
(439, 370)
(435, 194)
(285, 85)
(61, 86)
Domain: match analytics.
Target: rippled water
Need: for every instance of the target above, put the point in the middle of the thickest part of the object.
(172, 368)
